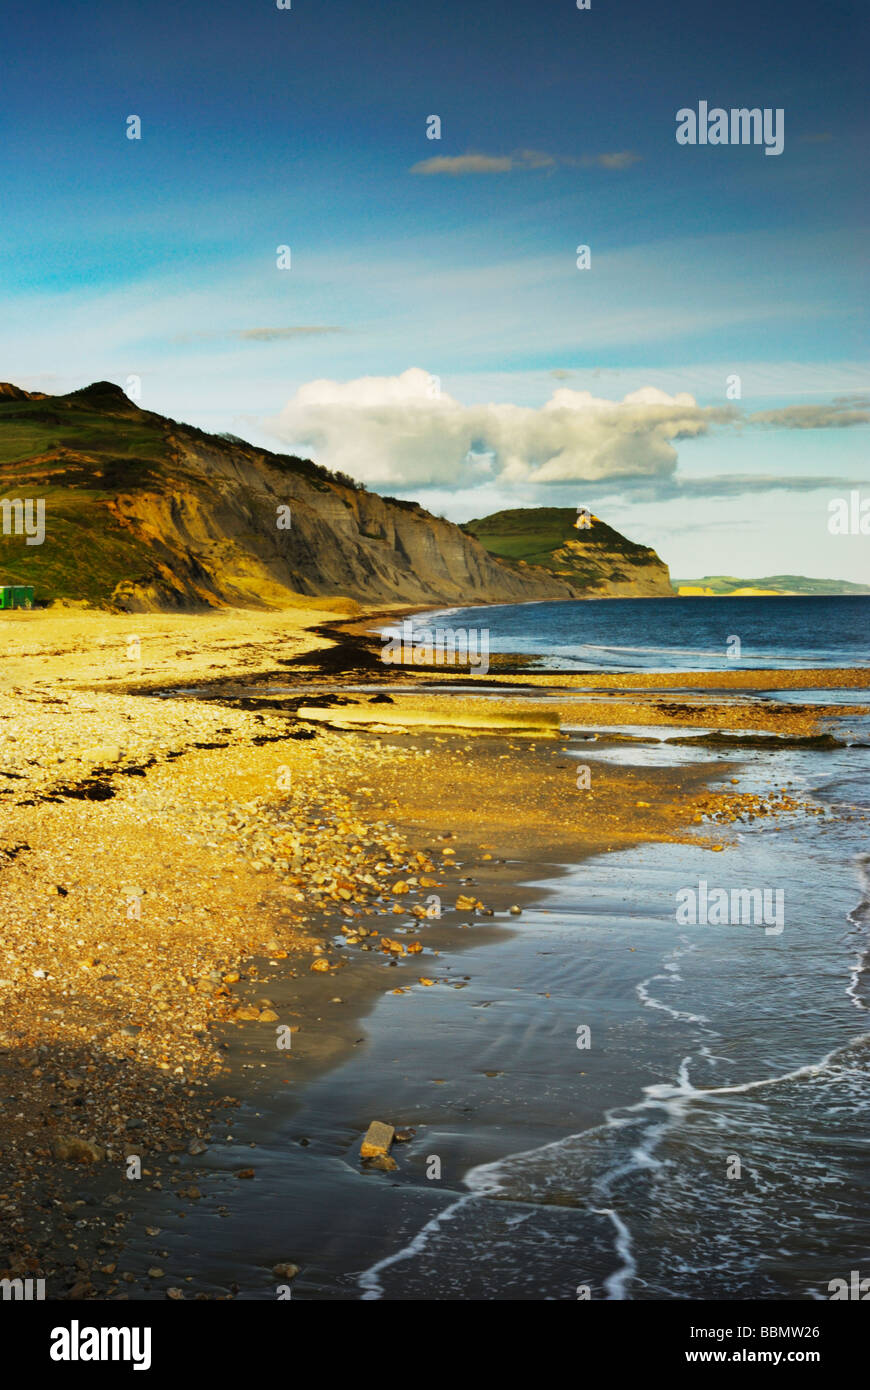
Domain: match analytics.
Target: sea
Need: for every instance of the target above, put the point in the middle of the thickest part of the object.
(679, 634)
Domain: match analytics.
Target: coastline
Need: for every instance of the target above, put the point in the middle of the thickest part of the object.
(109, 789)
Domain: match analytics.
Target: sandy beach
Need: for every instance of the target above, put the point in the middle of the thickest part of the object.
(207, 836)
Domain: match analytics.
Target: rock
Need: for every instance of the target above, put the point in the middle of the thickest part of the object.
(156, 1273)
(383, 1163)
(245, 1173)
(320, 965)
(465, 903)
(377, 1140)
(175, 1293)
(516, 910)
(71, 1149)
(268, 1016)
(102, 753)
(285, 1271)
(424, 981)
(196, 1146)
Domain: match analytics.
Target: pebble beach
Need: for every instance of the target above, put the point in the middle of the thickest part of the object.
(176, 831)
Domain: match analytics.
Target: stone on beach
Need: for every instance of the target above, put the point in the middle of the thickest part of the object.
(466, 903)
(72, 1149)
(383, 1162)
(378, 1140)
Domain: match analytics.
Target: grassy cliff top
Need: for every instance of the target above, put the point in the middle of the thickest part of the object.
(535, 535)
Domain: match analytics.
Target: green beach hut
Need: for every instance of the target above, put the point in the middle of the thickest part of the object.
(16, 596)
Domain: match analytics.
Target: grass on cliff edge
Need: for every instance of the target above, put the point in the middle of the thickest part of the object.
(534, 535)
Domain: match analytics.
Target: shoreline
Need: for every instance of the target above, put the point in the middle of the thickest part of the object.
(228, 868)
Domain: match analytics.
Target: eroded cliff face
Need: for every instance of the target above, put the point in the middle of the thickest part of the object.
(233, 526)
(143, 513)
(604, 573)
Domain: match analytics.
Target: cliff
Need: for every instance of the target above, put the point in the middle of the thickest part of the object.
(594, 560)
(144, 513)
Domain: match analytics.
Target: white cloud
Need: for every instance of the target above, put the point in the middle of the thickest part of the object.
(402, 431)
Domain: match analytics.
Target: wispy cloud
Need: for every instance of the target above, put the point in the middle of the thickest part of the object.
(258, 335)
(483, 163)
(669, 489)
(271, 335)
(520, 160)
(836, 381)
(839, 414)
(620, 159)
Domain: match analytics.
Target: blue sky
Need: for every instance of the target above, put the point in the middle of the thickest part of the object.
(262, 127)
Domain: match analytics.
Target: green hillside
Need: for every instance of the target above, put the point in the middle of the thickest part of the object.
(724, 584)
(590, 557)
(78, 453)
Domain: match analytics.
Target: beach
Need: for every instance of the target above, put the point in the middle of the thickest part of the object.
(249, 876)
